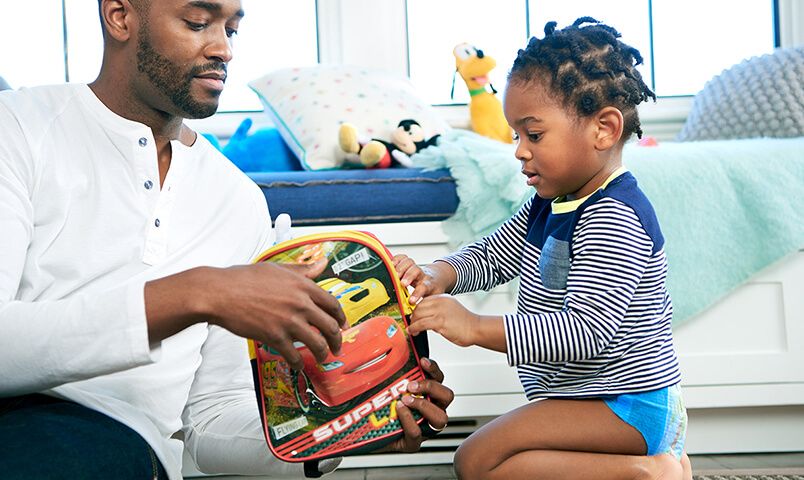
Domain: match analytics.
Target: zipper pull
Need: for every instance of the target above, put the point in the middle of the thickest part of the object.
(407, 308)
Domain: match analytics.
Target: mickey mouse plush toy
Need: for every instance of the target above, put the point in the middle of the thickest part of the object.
(406, 139)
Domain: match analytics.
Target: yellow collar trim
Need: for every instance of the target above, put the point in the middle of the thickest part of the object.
(560, 205)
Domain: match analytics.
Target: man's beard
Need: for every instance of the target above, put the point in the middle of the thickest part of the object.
(172, 81)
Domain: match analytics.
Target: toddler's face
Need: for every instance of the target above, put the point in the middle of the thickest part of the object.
(556, 148)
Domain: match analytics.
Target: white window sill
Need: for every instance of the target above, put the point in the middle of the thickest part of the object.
(662, 120)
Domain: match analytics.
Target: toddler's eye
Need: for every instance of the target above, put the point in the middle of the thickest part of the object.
(534, 137)
(515, 136)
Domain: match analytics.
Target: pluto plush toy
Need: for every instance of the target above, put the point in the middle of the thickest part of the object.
(485, 110)
(406, 139)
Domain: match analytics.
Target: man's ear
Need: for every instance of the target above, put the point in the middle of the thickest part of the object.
(609, 123)
(118, 17)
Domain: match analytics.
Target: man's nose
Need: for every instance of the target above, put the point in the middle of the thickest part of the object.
(220, 48)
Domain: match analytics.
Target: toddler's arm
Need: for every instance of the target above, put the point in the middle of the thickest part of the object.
(437, 277)
(442, 313)
(495, 259)
(491, 261)
(446, 316)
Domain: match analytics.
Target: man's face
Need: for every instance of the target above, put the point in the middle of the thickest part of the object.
(183, 49)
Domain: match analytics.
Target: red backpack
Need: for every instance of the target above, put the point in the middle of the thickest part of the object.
(347, 404)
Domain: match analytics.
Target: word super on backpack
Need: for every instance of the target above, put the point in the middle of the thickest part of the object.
(346, 404)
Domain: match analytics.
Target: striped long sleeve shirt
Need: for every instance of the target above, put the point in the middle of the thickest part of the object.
(593, 313)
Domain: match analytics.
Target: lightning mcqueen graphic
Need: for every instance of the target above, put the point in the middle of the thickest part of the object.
(371, 352)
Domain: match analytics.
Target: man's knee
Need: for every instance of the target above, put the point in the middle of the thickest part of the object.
(51, 438)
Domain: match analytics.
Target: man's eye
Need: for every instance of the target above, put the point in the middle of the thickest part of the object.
(196, 26)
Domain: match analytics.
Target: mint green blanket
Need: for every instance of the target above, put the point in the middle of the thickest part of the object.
(727, 209)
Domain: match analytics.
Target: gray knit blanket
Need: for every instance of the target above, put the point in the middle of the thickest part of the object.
(759, 97)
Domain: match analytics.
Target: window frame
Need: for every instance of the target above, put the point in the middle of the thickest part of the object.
(337, 17)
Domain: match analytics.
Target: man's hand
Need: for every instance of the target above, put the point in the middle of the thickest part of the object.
(433, 410)
(278, 305)
(275, 304)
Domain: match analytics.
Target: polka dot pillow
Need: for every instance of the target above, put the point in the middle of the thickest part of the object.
(308, 105)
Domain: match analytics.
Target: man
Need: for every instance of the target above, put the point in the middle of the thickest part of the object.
(120, 312)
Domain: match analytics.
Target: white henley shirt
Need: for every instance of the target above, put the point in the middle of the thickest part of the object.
(83, 225)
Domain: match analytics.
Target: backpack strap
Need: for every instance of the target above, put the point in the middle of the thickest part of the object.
(311, 469)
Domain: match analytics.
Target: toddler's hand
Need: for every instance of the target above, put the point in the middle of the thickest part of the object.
(421, 278)
(446, 316)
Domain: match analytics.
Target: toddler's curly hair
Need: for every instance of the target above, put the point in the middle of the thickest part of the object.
(588, 68)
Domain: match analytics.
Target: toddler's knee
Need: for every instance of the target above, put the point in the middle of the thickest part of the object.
(659, 467)
(686, 467)
(459, 463)
(468, 463)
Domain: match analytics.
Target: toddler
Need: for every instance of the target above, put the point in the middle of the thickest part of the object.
(591, 336)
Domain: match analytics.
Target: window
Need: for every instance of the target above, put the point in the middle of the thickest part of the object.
(498, 31)
(84, 40)
(24, 62)
(629, 17)
(684, 42)
(274, 34)
(691, 49)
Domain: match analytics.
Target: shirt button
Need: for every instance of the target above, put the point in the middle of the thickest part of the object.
(156, 223)
(148, 184)
(143, 141)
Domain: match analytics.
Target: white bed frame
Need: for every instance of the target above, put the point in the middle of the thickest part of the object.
(742, 361)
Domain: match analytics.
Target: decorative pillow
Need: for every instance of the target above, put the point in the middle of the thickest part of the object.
(759, 97)
(308, 105)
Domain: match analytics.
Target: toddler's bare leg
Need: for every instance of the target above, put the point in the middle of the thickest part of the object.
(561, 439)
(686, 466)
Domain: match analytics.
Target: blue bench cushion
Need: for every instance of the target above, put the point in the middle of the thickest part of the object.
(334, 197)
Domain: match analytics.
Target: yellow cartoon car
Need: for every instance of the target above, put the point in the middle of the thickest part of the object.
(356, 299)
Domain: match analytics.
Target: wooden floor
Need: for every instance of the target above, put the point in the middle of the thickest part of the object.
(755, 464)
(714, 465)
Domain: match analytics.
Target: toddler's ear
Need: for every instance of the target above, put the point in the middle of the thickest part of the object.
(609, 123)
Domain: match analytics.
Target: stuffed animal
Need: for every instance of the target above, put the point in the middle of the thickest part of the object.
(261, 151)
(485, 110)
(406, 139)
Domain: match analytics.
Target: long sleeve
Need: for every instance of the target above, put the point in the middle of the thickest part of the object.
(222, 426)
(85, 220)
(47, 343)
(492, 260)
(611, 252)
